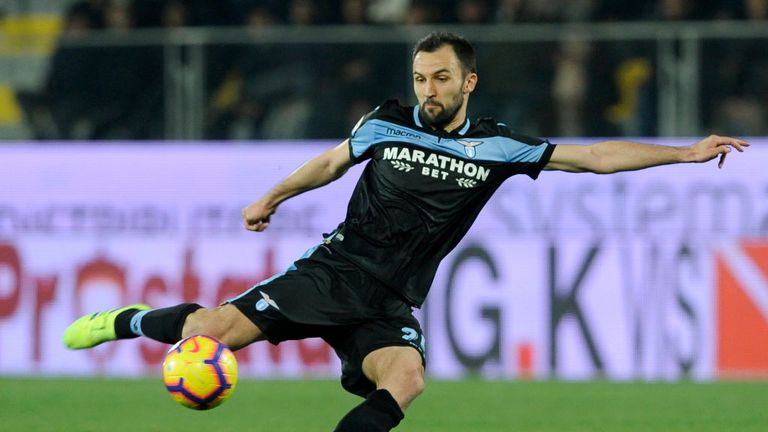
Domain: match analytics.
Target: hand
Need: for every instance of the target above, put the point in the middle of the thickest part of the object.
(256, 217)
(713, 145)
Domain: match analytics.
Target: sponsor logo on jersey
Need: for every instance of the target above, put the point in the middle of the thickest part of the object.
(402, 133)
(466, 174)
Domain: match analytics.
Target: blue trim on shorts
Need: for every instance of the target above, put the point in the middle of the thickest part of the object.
(292, 267)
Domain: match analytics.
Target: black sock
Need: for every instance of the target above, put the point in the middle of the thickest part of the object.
(162, 325)
(123, 324)
(379, 413)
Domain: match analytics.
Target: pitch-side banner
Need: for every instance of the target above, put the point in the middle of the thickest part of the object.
(655, 274)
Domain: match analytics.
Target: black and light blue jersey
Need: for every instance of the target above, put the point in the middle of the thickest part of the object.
(422, 189)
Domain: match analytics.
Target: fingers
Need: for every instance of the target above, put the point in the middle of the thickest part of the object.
(257, 226)
(736, 143)
(254, 223)
(722, 159)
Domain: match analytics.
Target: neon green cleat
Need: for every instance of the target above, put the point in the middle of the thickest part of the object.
(94, 329)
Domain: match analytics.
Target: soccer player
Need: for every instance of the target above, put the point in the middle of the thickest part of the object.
(429, 172)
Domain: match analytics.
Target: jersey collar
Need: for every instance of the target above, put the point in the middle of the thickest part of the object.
(417, 119)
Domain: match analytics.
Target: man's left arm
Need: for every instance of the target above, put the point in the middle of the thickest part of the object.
(614, 156)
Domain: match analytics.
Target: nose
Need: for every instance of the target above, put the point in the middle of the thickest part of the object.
(430, 89)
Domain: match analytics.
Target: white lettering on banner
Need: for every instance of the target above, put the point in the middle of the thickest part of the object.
(653, 201)
(134, 219)
(570, 276)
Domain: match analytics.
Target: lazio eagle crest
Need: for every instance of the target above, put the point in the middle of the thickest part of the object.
(469, 147)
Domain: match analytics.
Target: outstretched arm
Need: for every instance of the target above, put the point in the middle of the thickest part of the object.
(614, 156)
(319, 171)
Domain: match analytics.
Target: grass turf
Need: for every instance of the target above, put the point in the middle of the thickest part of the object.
(83, 405)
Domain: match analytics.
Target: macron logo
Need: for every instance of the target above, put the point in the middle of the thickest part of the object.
(401, 133)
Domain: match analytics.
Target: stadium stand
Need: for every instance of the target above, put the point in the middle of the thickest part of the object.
(268, 69)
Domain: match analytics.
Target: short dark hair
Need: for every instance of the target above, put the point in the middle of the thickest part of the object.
(437, 39)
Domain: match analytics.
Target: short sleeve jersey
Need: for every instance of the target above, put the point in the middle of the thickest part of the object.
(422, 189)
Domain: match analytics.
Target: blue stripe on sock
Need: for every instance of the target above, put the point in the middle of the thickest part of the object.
(136, 322)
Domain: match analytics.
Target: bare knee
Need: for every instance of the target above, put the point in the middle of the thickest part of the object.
(399, 370)
(405, 385)
(410, 383)
(225, 323)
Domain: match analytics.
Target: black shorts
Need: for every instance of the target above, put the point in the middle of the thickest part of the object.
(324, 295)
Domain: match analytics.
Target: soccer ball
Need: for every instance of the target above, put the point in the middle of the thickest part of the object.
(200, 372)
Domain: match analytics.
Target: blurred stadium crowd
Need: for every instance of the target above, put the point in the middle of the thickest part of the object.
(156, 13)
(268, 92)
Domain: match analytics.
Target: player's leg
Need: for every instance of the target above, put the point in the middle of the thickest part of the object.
(251, 316)
(226, 323)
(398, 375)
(94, 329)
(168, 325)
(398, 370)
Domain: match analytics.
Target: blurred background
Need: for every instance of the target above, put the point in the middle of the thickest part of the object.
(134, 131)
(308, 69)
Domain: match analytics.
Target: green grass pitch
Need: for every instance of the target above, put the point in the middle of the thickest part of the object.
(131, 405)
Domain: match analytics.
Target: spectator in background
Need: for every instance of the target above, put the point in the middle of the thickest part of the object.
(238, 108)
(756, 9)
(175, 14)
(94, 11)
(90, 92)
(422, 12)
(286, 87)
(738, 77)
(543, 10)
(686, 10)
(345, 73)
(128, 84)
(742, 114)
(570, 85)
(353, 12)
(674, 10)
(388, 11)
(471, 12)
(302, 13)
(261, 99)
(633, 112)
(620, 10)
(578, 10)
(509, 11)
(64, 107)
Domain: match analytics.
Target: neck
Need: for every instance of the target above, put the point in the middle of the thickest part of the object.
(458, 119)
(457, 122)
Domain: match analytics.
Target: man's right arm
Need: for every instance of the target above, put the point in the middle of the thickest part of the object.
(317, 172)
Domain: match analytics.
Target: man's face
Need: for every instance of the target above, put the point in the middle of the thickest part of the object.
(440, 85)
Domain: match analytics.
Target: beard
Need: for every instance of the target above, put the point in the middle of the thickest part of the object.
(443, 117)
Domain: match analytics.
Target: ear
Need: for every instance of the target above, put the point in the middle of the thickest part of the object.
(469, 83)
